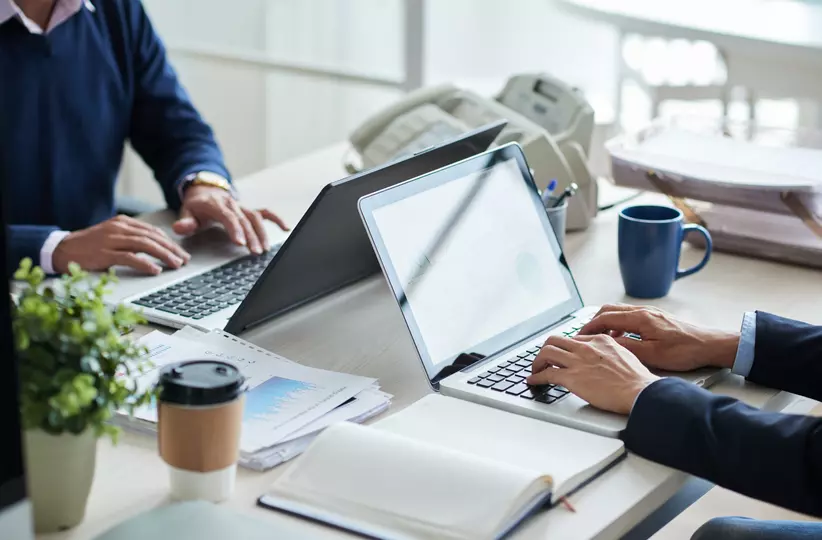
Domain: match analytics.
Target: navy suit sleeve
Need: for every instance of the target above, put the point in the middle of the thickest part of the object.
(787, 355)
(26, 241)
(768, 456)
(166, 129)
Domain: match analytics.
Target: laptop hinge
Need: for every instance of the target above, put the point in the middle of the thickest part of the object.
(558, 323)
(463, 362)
(517, 344)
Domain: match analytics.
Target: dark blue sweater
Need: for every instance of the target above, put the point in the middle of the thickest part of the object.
(69, 100)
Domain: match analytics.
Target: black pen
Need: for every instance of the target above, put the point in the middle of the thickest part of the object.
(569, 191)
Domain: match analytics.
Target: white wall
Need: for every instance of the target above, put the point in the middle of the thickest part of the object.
(237, 24)
(362, 37)
(485, 41)
(355, 36)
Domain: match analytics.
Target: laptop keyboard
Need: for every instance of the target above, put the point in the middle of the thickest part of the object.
(207, 293)
(509, 377)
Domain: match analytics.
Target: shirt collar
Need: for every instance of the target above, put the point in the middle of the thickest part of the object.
(9, 9)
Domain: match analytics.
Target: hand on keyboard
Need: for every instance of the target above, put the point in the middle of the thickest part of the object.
(203, 204)
(118, 242)
(666, 343)
(596, 368)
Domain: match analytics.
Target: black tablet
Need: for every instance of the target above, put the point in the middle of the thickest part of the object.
(329, 248)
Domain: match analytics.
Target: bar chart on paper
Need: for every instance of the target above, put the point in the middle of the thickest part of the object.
(282, 396)
(274, 404)
(276, 397)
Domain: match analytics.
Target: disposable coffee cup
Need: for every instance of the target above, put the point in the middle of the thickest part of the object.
(199, 421)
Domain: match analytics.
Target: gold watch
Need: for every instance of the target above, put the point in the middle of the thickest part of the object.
(206, 178)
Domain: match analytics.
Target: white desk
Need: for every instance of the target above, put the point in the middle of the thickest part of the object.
(773, 48)
(360, 330)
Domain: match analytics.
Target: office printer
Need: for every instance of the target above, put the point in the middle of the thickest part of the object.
(551, 120)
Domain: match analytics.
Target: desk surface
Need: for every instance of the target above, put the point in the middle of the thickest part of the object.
(360, 330)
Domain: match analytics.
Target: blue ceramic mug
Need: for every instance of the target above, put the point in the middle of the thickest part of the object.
(650, 241)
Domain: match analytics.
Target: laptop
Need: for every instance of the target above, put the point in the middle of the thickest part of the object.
(223, 288)
(470, 256)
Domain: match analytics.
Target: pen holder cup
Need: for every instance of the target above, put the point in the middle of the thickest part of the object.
(557, 215)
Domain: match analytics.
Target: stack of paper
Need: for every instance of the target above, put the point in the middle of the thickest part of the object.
(287, 404)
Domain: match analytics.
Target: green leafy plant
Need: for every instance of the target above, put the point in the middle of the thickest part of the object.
(76, 368)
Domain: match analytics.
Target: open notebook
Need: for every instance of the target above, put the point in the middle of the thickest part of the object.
(441, 468)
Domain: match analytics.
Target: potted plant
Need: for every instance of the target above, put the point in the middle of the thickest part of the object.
(74, 375)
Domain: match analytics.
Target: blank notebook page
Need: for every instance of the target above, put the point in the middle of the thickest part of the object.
(564, 453)
(405, 486)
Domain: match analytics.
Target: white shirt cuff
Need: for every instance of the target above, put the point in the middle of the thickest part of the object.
(47, 251)
(747, 346)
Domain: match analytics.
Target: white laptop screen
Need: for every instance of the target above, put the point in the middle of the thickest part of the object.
(472, 262)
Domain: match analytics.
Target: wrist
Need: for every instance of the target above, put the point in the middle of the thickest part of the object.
(720, 349)
(194, 191)
(205, 179)
(636, 390)
(61, 257)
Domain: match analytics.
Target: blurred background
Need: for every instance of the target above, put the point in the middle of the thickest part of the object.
(279, 78)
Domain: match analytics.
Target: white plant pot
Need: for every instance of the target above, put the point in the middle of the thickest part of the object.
(59, 473)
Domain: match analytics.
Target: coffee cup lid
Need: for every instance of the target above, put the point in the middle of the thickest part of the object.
(200, 382)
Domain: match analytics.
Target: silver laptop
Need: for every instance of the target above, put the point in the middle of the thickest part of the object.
(476, 269)
(163, 298)
(226, 288)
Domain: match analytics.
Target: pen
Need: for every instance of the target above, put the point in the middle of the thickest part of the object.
(549, 191)
(569, 192)
(567, 504)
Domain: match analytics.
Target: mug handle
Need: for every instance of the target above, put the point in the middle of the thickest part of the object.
(691, 227)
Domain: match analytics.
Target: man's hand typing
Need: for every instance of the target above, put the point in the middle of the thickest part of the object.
(118, 241)
(205, 204)
(664, 342)
(596, 368)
